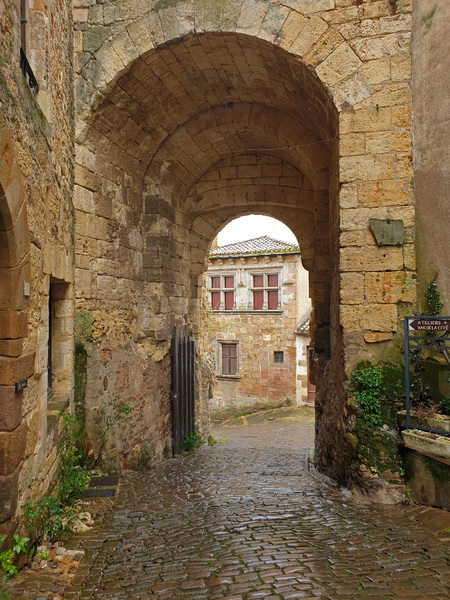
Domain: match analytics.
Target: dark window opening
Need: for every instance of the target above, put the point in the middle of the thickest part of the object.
(278, 357)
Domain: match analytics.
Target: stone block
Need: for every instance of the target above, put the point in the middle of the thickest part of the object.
(373, 337)
(309, 35)
(12, 448)
(383, 193)
(10, 408)
(401, 68)
(372, 259)
(340, 64)
(348, 196)
(9, 488)
(404, 166)
(15, 369)
(13, 324)
(388, 141)
(373, 317)
(390, 287)
(392, 94)
(365, 120)
(351, 144)
(375, 48)
(292, 28)
(369, 167)
(352, 288)
(401, 116)
(376, 71)
(11, 348)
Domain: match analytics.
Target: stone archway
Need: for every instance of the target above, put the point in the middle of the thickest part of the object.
(185, 110)
(15, 363)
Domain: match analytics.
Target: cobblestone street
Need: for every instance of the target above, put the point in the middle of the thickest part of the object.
(246, 519)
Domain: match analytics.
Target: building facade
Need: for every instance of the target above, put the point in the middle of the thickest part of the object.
(258, 294)
(36, 245)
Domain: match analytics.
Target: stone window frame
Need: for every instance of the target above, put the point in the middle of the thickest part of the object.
(222, 290)
(265, 288)
(60, 340)
(221, 344)
(278, 354)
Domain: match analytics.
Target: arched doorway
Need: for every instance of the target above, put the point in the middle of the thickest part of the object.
(186, 121)
(15, 365)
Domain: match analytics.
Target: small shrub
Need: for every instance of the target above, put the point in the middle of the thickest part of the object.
(367, 383)
(49, 516)
(114, 412)
(46, 517)
(193, 441)
(7, 569)
(378, 390)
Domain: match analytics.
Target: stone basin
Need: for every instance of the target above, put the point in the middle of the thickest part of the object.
(426, 442)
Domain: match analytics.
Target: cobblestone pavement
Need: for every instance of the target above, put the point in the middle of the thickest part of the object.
(247, 520)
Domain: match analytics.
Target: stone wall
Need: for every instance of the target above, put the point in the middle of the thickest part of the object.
(431, 104)
(36, 245)
(182, 111)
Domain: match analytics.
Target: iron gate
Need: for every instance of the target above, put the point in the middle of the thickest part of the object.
(183, 375)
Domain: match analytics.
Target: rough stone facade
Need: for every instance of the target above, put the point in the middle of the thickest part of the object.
(269, 362)
(36, 245)
(190, 114)
(187, 115)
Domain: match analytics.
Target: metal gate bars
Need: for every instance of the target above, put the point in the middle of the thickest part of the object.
(183, 376)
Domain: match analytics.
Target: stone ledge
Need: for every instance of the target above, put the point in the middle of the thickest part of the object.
(426, 442)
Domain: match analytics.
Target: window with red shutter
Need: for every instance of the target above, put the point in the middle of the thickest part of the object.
(215, 300)
(272, 299)
(258, 299)
(229, 300)
(229, 359)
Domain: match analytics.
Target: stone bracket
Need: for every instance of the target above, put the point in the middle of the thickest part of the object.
(388, 232)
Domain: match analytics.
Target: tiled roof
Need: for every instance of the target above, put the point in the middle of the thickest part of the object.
(261, 245)
(303, 326)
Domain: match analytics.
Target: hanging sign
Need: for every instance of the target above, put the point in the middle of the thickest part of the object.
(430, 324)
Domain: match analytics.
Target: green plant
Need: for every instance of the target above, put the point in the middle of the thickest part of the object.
(366, 383)
(444, 405)
(73, 460)
(48, 516)
(113, 412)
(433, 298)
(6, 557)
(378, 390)
(193, 441)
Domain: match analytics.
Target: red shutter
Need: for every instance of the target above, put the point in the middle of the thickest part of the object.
(229, 300)
(258, 300)
(229, 282)
(215, 282)
(215, 300)
(272, 299)
(258, 280)
(272, 280)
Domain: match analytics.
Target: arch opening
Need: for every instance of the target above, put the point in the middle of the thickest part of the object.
(259, 315)
(195, 133)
